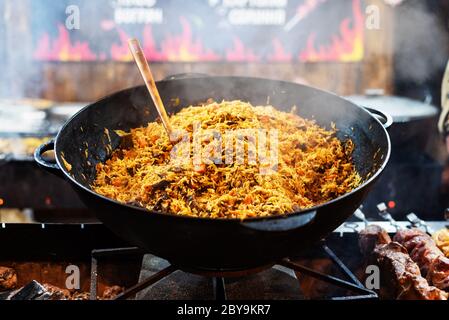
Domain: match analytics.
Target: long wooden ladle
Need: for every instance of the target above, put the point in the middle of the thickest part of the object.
(145, 71)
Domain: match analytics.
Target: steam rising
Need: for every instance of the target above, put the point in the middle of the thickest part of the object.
(422, 43)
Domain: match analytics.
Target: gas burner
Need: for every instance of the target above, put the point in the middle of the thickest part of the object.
(161, 280)
(328, 270)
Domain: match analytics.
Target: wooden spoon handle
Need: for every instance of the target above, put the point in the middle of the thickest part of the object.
(147, 76)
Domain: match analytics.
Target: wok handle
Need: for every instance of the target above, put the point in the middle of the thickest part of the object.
(287, 223)
(47, 165)
(385, 119)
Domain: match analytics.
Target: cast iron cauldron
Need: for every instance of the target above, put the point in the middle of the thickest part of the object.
(216, 244)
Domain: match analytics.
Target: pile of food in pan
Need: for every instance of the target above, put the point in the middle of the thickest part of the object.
(413, 265)
(312, 166)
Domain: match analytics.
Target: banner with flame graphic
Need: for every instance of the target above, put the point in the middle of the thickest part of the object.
(199, 30)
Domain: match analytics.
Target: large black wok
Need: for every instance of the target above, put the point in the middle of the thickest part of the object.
(209, 244)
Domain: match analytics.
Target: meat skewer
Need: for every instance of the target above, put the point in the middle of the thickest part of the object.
(416, 221)
(424, 251)
(8, 278)
(360, 215)
(400, 275)
(372, 236)
(383, 212)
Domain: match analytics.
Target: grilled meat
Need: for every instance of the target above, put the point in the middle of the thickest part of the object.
(439, 273)
(424, 251)
(57, 293)
(405, 235)
(77, 295)
(371, 236)
(398, 271)
(400, 275)
(8, 278)
(112, 292)
(421, 290)
(424, 254)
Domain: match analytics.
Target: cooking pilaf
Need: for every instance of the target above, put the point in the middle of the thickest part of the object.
(313, 166)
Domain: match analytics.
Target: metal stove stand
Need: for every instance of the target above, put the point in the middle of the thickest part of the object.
(351, 282)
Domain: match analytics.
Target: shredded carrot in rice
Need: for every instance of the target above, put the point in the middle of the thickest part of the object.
(313, 166)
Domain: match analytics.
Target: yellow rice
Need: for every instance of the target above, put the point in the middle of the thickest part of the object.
(313, 166)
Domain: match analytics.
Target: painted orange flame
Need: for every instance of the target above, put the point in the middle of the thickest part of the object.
(62, 49)
(182, 47)
(279, 53)
(150, 47)
(120, 52)
(348, 47)
(185, 48)
(239, 53)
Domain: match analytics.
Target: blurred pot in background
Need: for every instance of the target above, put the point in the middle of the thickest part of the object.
(443, 123)
(411, 182)
(413, 121)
